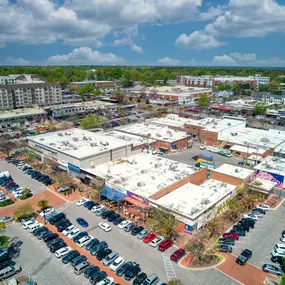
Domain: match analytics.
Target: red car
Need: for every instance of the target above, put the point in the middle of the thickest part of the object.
(177, 254)
(231, 235)
(149, 237)
(163, 246)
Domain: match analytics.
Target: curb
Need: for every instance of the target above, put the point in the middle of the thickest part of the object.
(204, 268)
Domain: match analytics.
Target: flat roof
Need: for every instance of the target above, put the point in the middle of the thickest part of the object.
(233, 170)
(155, 132)
(249, 150)
(78, 143)
(272, 164)
(21, 113)
(86, 104)
(263, 184)
(135, 140)
(210, 124)
(255, 137)
(192, 200)
(143, 174)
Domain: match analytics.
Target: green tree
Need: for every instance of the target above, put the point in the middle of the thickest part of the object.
(25, 210)
(260, 109)
(119, 95)
(263, 88)
(92, 121)
(86, 89)
(127, 80)
(7, 145)
(97, 184)
(203, 101)
(98, 92)
(63, 179)
(43, 204)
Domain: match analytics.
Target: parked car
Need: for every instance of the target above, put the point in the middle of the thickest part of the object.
(105, 227)
(128, 228)
(149, 237)
(140, 279)
(91, 270)
(56, 246)
(234, 236)
(137, 229)
(272, 269)
(96, 208)
(107, 214)
(68, 230)
(117, 263)
(225, 248)
(240, 232)
(71, 255)
(78, 259)
(244, 257)
(124, 268)
(81, 201)
(243, 227)
(106, 281)
(123, 224)
(82, 222)
(102, 253)
(79, 236)
(79, 268)
(132, 272)
(113, 217)
(163, 246)
(97, 247)
(62, 252)
(91, 243)
(155, 242)
(178, 254)
(118, 220)
(97, 277)
(142, 234)
(110, 258)
(73, 233)
(263, 207)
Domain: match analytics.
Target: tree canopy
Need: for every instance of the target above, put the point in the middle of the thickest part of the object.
(92, 121)
(260, 109)
(203, 101)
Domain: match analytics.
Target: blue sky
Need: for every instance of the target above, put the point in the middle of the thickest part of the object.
(143, 32)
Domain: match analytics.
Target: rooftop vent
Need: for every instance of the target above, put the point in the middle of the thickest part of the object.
(75, 139)
(92, 144)
(124, 179)
(144, 171)
(229, 124)
(140, 184)
(42, 139)
(157, 165)
(60, 134)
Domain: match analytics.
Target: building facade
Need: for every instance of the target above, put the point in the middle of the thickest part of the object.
(14, 96)
(20, 79)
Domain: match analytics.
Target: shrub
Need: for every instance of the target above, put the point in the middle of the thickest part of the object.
(6, 203)
(4, 241)
(26, 196)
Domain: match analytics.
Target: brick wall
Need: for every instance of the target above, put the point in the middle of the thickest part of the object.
(210, 138)
(226, 178)
(179, 144)
(192, 129)
(197, 178)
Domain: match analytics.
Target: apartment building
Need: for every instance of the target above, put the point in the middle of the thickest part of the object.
(282, 87)
(14, 96)
(20, 79)
(196, 81)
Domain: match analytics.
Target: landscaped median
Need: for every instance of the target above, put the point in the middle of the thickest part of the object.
(92, 259)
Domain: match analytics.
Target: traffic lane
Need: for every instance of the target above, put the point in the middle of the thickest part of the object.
(128, 246)
(263, 237)
(185, 156)
(151, 260)
(38, 262)
(247, 274)
(21, 178)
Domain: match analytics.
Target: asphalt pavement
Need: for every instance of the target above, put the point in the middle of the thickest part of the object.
(185, 156)
(150, 259)
(21, 178)
(263, 237)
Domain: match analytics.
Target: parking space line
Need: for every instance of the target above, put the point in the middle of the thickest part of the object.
(77, 276)
(65, 265)
(85, 282)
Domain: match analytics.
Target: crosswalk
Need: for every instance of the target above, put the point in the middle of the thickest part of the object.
(168, 264)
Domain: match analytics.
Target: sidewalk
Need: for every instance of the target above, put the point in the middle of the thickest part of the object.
(91, 258)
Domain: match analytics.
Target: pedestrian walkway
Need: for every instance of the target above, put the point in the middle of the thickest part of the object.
(168, 264)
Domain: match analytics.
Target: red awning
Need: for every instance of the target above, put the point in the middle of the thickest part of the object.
(136, 202)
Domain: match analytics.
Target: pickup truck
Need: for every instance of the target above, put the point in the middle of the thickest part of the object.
(244, 257)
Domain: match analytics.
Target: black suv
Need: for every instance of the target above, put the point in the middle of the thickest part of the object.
(107, 214)
(79, 236)
(136, 230)
(91, 243)
(57, 246)
(56, 218)
(97, 276)
(102, 253)
(140, 279)
(132, 272)
(91, 270)
(72, 254)
(244, 257)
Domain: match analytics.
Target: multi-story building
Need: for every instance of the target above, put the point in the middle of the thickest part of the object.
(14, 96)
(282, 87)
(215, 81)
(20, 79)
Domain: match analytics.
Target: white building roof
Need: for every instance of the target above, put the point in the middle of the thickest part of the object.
(85, 105)
(155, 132)
(272, 164)
(235, 171)
(210, 124)
(133, 139)
(78, 143)
(192, 200)
(21, 113)
(143, 174)
(249, 150)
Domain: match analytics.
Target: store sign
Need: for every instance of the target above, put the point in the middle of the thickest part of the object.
(137, 197)
(73, 168)
(273, 177)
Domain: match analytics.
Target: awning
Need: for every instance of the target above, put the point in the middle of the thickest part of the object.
(136, 202)
(112, 194)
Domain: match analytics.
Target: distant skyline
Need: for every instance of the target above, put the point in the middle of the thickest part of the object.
(143, 32)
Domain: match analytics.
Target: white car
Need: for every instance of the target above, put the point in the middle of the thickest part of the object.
(68, 230)
(156, 241)
(123, 224)
(263, 207)
(29, 223)
(98, 207)
(107, 281)
(258, 215)
(46, 212)
(81, 242)
(81, 201)
(282, 238)
(203, 146)
(105, 227)
(73, 233)
(117, 263)
(62, 252)
(251, 217)
(277, 252)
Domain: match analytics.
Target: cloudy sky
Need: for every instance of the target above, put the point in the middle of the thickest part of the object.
(148, 32)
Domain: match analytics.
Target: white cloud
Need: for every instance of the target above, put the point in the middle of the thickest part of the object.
(198, 40)
(87, 22)
(212, 12)
(243, 57)
(224, 60)
(16, 61)
(168, 61)
(136, 48)
(85, 55)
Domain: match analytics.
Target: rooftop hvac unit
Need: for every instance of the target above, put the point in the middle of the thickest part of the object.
(157, 165)
(177, 177)
(215, 123)
(75, 148)
(124, 179)
(75, 139)
(234, 134)
(140, 184)
(116, 181)
(60, 134)
(158, 135)
(194, 210)
(93, 144)
(144, 171)
(229, 124)
(42, 139)
(52, 144)
(152, 177)
(160, 186)
(205, 201)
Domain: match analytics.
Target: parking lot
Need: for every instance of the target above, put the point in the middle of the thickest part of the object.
(150, 259)
(20, 178)
(263, 237)
(185, 156)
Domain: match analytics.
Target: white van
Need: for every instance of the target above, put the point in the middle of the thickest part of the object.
(9, 271)
(280, 247)
(32, 227)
